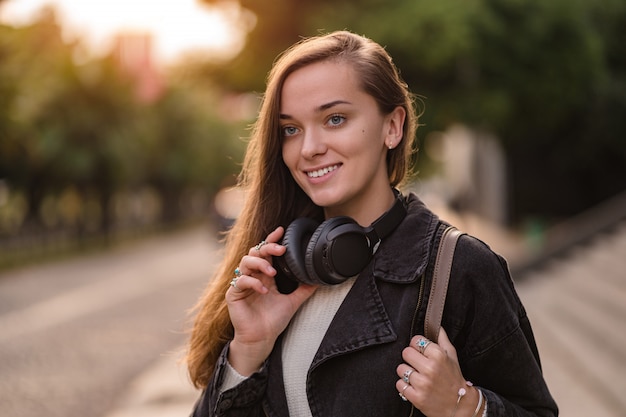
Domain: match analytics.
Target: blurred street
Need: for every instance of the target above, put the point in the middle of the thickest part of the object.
(100, 335)
(75, 333)
(577, 305)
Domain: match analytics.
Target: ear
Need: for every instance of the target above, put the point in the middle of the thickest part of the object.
(394, 127)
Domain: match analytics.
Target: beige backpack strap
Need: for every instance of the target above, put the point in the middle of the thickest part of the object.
(439, 288)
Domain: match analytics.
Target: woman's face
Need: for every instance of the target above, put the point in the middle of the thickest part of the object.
(335, 140)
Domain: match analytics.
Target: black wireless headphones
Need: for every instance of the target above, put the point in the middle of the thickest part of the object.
(333, 251)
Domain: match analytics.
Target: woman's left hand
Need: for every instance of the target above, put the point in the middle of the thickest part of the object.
(431, 378)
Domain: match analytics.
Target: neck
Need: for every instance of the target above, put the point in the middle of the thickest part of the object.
(367, 209)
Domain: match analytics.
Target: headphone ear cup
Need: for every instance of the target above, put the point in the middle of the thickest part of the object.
(339, 249)
(296, 239)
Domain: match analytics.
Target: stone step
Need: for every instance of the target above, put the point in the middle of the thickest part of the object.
(571, 394)
(577, 305)
(578, 389)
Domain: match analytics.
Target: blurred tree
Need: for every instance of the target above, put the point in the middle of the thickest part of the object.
(85, 130)
(72, 126)
(185, 148)
(279, 23)
(24, 157)
(546, 77)
(67, 122)
(559, 74)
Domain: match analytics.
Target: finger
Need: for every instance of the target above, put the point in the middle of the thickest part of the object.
(445, 343)
(404, 371)
(422, 344)
(267, 249)
(415, 360)
(252, 265)
(256, 250)
(302, 293)
(404, 390)
(269, 245)
(242, 286)
(275, 235)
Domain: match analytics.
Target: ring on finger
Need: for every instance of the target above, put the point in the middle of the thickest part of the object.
(407, 375)
(401, 393)
(422, 343)
(237, 272)
(233, 283)
(260, 245)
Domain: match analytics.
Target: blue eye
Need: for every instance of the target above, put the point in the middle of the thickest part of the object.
(336, 120)
(289, 131)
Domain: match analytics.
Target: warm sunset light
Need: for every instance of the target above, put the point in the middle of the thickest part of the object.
(177, 26)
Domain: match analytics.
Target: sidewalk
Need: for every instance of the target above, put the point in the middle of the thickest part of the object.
(163, 390)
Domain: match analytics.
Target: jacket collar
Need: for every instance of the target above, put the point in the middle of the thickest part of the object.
(401, 259)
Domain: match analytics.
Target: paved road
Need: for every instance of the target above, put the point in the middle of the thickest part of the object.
(75, 334)
(105, 350)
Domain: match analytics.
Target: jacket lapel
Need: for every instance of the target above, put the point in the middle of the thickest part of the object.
(361, 321)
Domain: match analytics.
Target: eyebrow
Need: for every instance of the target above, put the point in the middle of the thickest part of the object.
(331, 104)
(320, 108)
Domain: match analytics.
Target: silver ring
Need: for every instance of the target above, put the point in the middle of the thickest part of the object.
(237, 272)
(233, 283)
(407, 375)
(260, 245)
(401, 393)
(422, 343)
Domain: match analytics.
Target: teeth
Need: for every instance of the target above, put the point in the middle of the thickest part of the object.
(323, 171)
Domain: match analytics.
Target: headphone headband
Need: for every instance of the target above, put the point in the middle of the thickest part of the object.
(389, 220)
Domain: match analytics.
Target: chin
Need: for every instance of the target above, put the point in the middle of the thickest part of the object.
(325, 199)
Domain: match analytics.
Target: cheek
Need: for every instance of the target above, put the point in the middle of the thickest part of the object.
(288, 153)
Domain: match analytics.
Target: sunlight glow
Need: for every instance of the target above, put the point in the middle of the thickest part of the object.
(177, 26)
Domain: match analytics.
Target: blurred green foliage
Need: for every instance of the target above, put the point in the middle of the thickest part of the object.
(80, 151)
(548, 78)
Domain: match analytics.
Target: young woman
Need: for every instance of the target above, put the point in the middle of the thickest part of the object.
(332, 144)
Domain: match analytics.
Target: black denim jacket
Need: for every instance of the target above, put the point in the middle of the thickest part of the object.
(354, 370)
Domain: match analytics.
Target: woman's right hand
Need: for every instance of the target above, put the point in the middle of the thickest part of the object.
(258, 312)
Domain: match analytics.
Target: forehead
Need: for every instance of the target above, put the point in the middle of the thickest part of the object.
(319, 83)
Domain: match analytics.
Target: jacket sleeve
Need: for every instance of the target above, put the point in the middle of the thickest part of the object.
(492, 333)
(243, 400)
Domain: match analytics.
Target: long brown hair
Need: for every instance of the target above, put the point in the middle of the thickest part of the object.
(272, 196)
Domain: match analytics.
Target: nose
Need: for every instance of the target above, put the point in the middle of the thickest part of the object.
(313, 144)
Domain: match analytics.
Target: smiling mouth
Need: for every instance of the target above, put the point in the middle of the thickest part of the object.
(321, 172)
